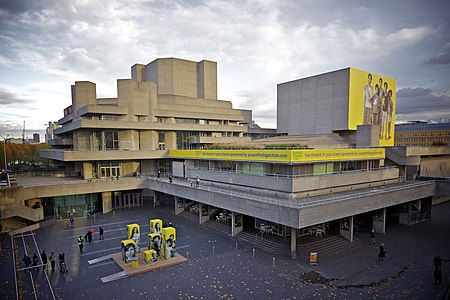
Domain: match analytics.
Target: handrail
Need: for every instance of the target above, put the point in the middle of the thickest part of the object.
(293, 176)
(297, 203)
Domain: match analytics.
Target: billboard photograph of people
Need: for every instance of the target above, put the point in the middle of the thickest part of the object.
(154, 243)
(169, 242)
(372, 102)
(128, 250)
(156, 226)
(134, 233)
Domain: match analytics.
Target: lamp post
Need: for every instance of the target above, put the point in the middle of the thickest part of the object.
(4, 148)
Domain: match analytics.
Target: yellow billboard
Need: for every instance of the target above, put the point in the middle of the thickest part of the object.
(337, 154)
(134, 233)
(235, 155)
(288, 156)
(372, 100)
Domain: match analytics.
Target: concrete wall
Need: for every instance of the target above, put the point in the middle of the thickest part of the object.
(207, 79)
(356, 205)
(435, 167)
(314, 105)
(314, 185)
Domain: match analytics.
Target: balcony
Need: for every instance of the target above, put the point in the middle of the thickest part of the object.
(302, 185)
(61, 142)
(215, 140)
(70, 155)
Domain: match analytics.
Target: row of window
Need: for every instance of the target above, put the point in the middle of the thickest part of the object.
(424, 140)
(414, 145)
(422, 134)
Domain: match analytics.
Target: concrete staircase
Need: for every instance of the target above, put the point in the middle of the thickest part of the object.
(332, 244)
(25, 212)
(329, 245)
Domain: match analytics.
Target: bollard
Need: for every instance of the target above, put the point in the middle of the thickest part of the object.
(273, 262)
(114, 213)
(236, 245)
(94, 215)
(253, 252)
(213, 249)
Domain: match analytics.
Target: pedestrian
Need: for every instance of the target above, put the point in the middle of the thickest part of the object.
(170, 179)
(80, 243)
(52, 260)
(26, 259)
(62, 261)
(44, 259)
(159, 174)
(437, 275)
(382, 253)
(372, 237)
(437, 262)
(72, 221)
(35, 261)
(89, 236)
(198, 181)
(100, 230)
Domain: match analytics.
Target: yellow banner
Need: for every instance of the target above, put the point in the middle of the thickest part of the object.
(337, 154)
(288, 156)
(372, 101)
(235, 155)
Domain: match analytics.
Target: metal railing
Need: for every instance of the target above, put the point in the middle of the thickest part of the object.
(294, 176)
(301, 203)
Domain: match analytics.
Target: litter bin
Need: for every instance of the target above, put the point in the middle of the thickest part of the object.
(313, 258)
(134, 262)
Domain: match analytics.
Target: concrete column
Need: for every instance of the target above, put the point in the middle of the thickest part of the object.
(351, 228)
(178, 206)
(106, 202)
(379, 221)
(294, 243)
(202, 217)
(237, 223)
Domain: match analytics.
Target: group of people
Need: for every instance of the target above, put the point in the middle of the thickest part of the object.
(89, 237)
(32, 263)
(378, 106)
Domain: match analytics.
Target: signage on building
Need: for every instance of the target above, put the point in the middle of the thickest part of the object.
(286, 156)
(372, 101)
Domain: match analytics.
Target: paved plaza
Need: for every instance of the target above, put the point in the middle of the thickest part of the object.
(218, 270)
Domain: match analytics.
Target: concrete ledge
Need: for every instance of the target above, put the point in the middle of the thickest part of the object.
(142, 268)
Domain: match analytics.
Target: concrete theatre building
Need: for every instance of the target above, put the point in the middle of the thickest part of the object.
(167, 139)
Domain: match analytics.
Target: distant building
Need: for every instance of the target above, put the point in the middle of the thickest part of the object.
(36, 138)
(49, 135)
(421, 134)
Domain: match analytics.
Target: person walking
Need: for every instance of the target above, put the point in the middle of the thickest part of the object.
(62, 261)
(89, 236)
(159, 174)
(26, 259)
(197, 181)
(100, 230)
(72, 221)
(44, 259)
(382, 253)
(52, 260)
(437, 262)
(80, 243)
(372, 237)
(35, 261)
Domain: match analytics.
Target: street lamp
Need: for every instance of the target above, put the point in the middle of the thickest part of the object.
(4, 148)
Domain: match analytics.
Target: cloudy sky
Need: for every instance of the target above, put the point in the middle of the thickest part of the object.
(45, 46)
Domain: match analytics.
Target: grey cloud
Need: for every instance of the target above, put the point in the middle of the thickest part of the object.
(441, 59)
(422, 101)
(8, 98)
(413, 92)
